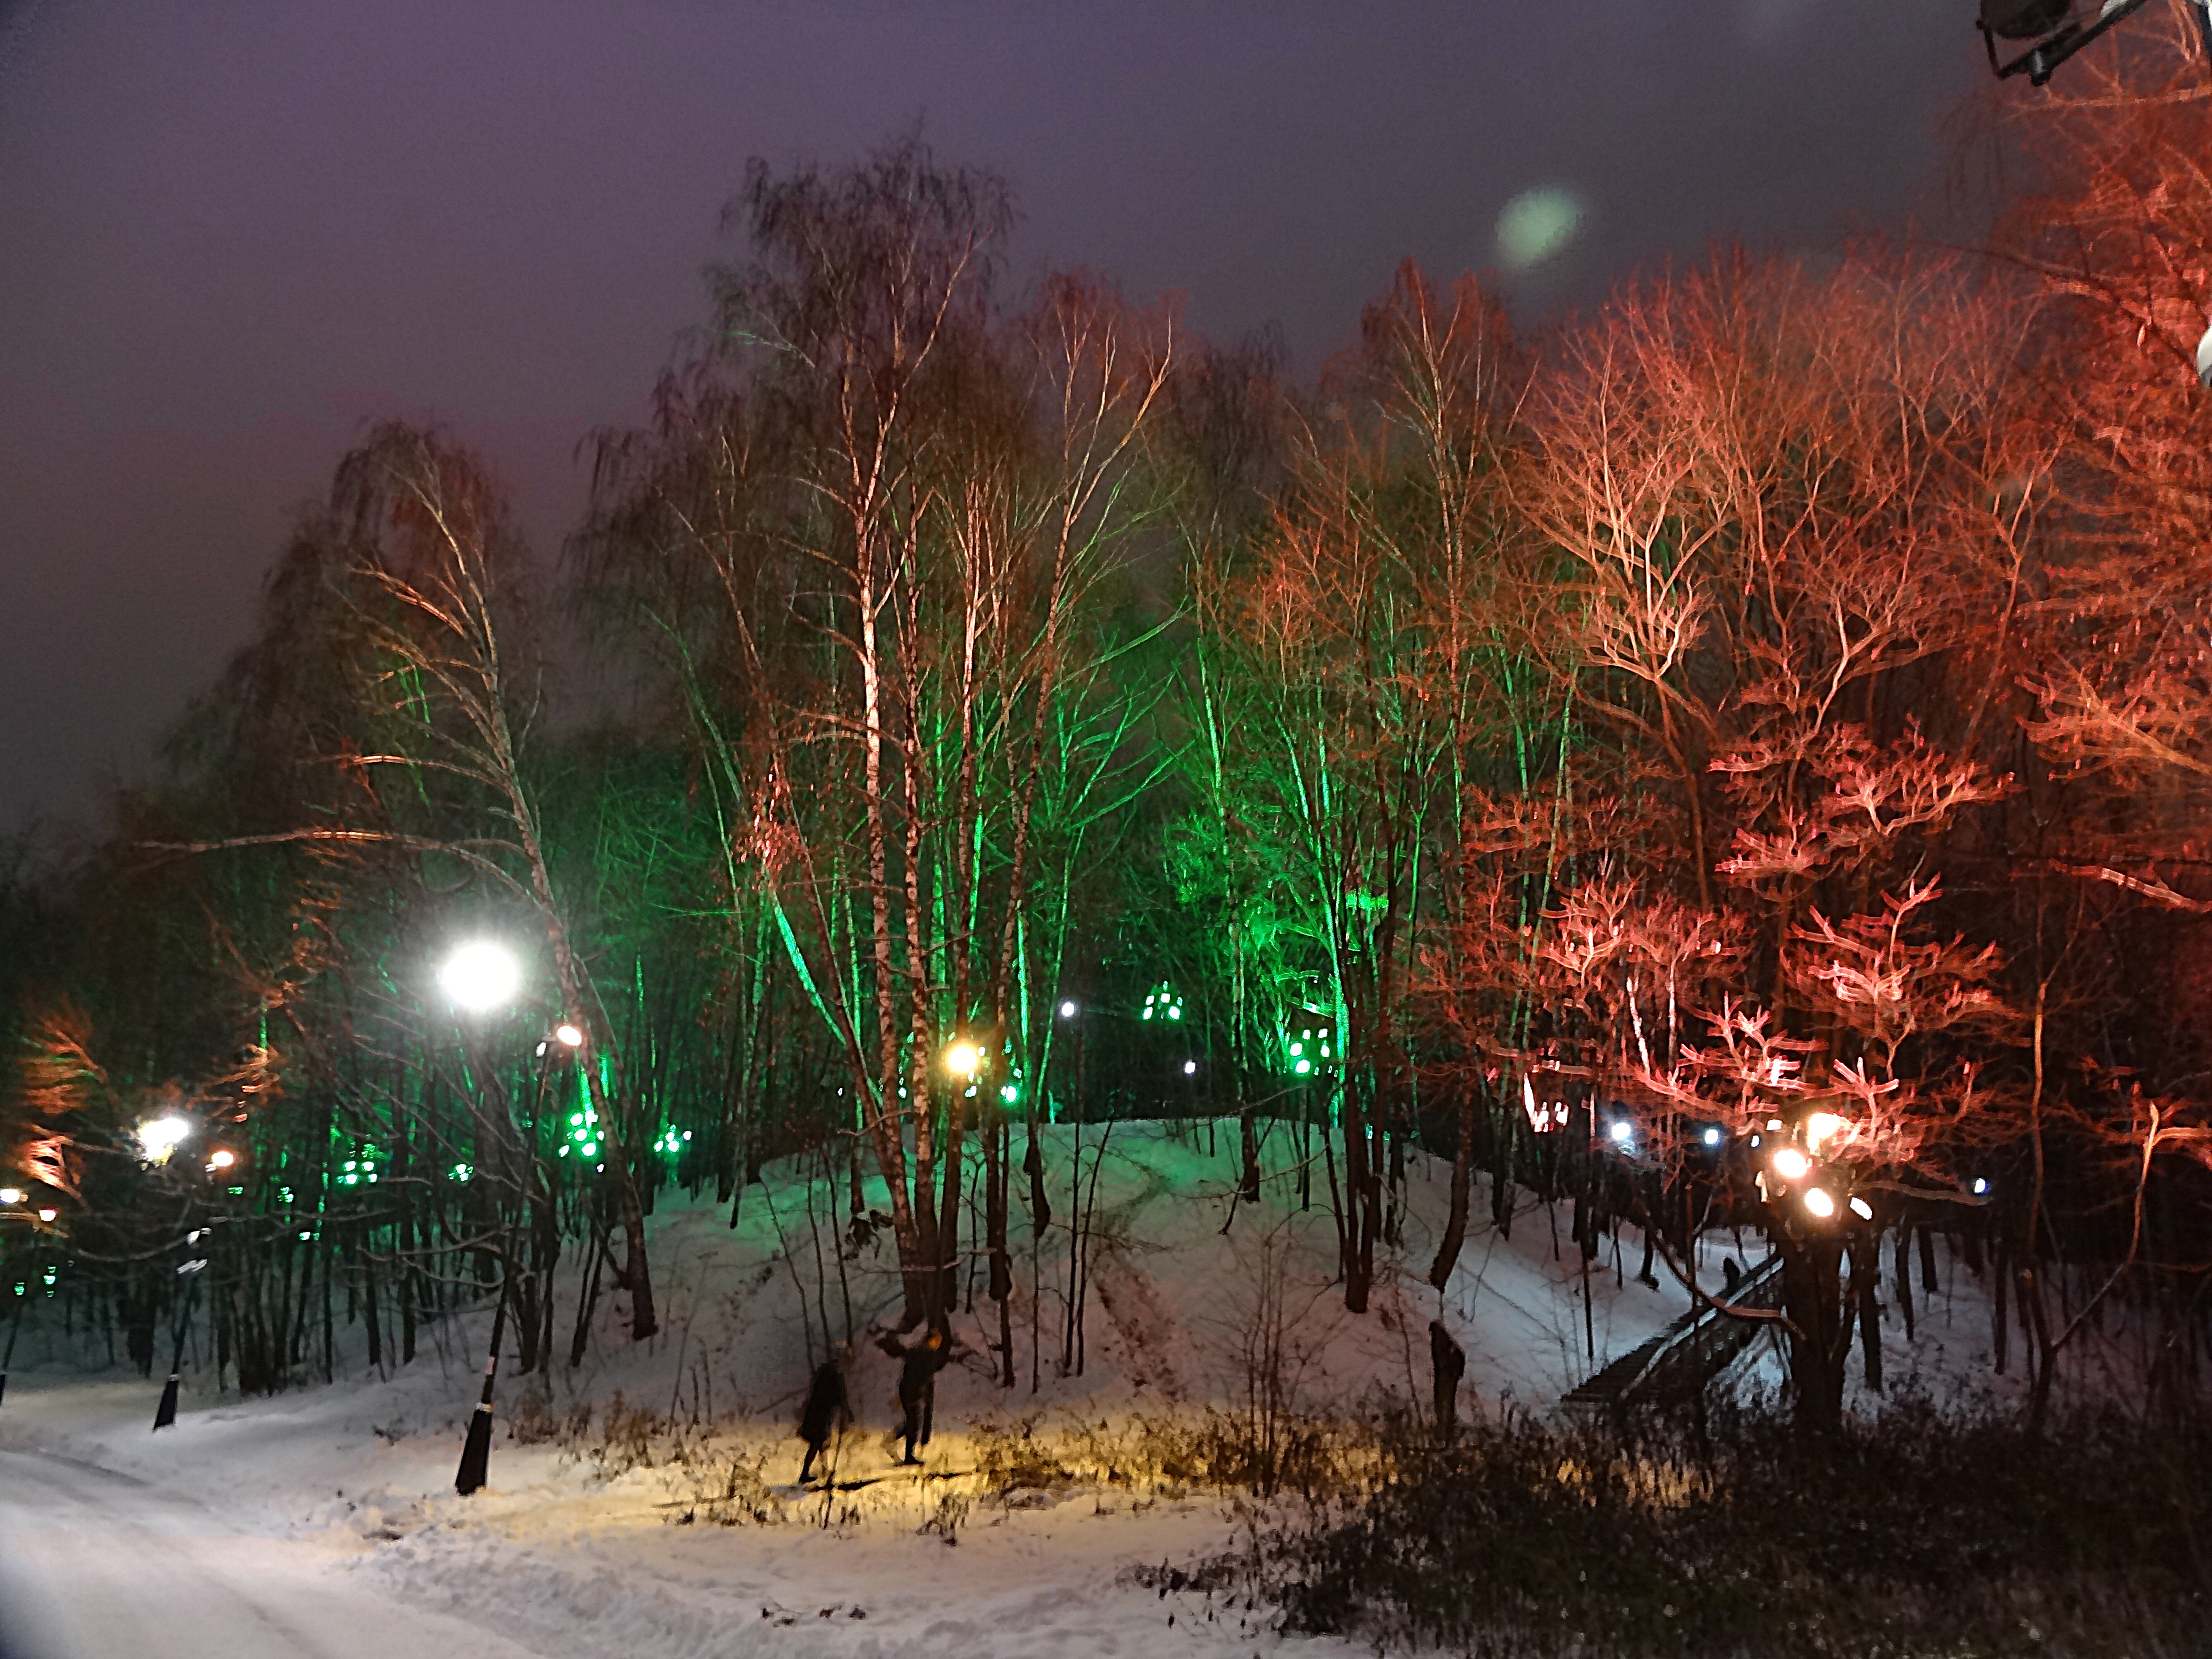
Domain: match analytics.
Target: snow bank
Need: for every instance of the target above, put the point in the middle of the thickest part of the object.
(1192, 1294)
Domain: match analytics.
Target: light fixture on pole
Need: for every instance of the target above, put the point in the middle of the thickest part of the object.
(480, 975)
(162, 1136)
(963, 1059)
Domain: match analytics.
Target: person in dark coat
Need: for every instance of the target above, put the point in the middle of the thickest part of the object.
(829, 1408)
(919, 1363)
(1449, 1363)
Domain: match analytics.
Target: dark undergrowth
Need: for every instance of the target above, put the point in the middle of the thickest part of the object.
(1928, 1535)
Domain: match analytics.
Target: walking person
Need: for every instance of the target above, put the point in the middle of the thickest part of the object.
(919, 1363)
(829, 1408)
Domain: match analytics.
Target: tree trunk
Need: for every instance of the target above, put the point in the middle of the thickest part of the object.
(1448, 1250)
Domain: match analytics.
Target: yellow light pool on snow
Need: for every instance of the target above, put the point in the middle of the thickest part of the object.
(963, 1058)
(1791, 1165)
(1821, 1126)
(481, 975)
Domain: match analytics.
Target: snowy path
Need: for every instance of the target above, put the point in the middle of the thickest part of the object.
(98, 1565)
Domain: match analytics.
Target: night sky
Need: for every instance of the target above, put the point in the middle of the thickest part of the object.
(233, 234)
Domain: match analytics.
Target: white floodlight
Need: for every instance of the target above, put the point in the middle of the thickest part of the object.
(1981, 1185)
(1621, 1130)
(481, 975)
(1190, 1068)
(1791, 1165)
(1068, 1008)
(160, 1136)
(1712, 1137)
(11, 1194)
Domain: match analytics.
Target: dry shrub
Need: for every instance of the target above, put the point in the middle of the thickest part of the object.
(1927, 1534)
(534, 1422)
(729, 1488)
(1171, 1455)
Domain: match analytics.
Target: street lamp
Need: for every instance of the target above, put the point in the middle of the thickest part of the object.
(162, 1136)
(480, 975)
(963, 1059)
(1067, 1008)
(1791, 1163)
(1820, 1201)
(11, 1194)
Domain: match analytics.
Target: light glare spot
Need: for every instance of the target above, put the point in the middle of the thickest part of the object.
(1535, 225)
(481, 975)
(162, 1136)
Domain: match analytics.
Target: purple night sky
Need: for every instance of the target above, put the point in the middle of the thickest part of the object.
(232, 232)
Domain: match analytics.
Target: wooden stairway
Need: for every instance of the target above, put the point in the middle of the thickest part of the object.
(1672, 1368)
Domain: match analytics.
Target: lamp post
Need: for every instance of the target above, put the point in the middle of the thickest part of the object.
(479, 977)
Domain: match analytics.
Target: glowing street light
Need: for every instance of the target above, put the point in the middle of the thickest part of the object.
(11, 1194)
(1621, 1130)
(1068, 1008)
(963, 1059)
(48, 1216)
(1791, 1165)
(160, 1136)
(1820, 1126)
(570, 1036)
(221, 1158)
(1861, 1208)
(481, 975)
(1190, 1068)
(1820, 1201)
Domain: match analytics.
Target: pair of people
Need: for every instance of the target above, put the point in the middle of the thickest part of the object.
(828, 1403)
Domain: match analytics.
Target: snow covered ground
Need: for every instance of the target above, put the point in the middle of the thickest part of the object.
(324, 1521)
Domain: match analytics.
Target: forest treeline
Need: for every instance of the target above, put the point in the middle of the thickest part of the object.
(1739, 758)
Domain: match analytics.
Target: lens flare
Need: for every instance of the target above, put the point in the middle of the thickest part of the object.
(481, 975)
